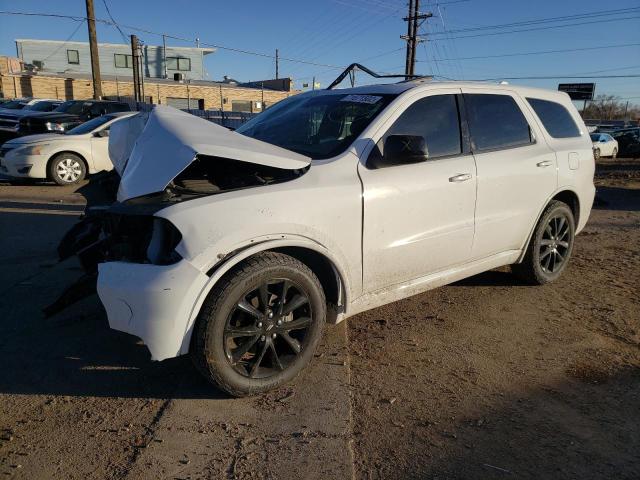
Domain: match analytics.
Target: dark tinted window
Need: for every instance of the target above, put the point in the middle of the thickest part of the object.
(496, 121)
(90, 126)
(74, 107)
(555, 118)
(118, 107)
(436, 119)
(42, 106)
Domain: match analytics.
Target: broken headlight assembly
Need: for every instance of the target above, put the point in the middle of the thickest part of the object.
(140, 239)
(164, 240)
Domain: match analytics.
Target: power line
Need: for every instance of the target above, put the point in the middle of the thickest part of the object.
(555, 77)
(564, 18)
(543, 52)
(122, 34)
(75, 30)
(173, 37)
(550, 27)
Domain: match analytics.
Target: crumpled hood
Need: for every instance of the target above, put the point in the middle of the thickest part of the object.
(149, 150)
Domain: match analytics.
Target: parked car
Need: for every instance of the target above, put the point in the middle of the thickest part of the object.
(236, 247)
(628, 142)
(9, 119)
(604, 145)
(16, 103)
(65, 159)
(67, 116)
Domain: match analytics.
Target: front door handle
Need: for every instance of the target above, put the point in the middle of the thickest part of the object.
(544, 163)
(462, 177)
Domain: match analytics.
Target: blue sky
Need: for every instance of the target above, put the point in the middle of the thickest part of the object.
(338, 32)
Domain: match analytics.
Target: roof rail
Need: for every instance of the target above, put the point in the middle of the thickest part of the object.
(356, 66)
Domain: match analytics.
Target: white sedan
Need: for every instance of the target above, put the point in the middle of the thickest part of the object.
(65, 159)
(604, 145)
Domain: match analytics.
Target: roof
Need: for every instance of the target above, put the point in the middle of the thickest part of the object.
(205, 51)
(422, 84)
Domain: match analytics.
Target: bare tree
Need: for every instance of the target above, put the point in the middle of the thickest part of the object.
(611, 107)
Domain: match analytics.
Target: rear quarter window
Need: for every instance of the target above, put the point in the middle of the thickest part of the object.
(555, 117)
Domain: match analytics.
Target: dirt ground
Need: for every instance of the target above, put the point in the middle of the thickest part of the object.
(489, 378)
(484, 379)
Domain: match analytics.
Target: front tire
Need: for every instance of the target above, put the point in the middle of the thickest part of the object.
(614, 154)
(260, 325)
(596, 154)
(67, 168)
(550, 246)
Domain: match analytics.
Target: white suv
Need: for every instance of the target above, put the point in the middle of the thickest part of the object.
(236, 247)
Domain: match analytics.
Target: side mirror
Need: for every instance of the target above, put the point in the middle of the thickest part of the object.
(400, 149)
(101, 133)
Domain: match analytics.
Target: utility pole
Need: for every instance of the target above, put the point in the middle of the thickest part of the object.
(93, 49)
(135, 54)
(408, 37)
(277, 63)
(412, 36)
(164, 54)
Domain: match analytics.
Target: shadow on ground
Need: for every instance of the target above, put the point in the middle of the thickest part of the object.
(76, 353)
(568, 430)
(617, 198)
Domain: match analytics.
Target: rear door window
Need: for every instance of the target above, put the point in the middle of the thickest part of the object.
(496, 122)
(555, 118)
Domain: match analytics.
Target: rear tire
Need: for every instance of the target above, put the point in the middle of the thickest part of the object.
(596, 153)
(260, 325)
(67, 168)
(550, 247)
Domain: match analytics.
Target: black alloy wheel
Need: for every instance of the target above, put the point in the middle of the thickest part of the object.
(550, 246)
(260, 324)
(268, 328)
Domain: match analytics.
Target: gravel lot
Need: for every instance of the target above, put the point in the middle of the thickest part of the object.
(487, 378)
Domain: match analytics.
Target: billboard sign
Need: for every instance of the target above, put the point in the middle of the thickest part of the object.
(578, 91)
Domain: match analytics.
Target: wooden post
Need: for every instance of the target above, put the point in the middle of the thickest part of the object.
(93, 48)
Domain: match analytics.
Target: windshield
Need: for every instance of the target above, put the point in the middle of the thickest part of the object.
(595, 137)
(14, 105)
(90, 126)
(73, 107)
(319, 126)
(42, 106)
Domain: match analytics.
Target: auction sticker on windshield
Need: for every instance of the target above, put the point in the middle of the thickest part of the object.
(361, 99)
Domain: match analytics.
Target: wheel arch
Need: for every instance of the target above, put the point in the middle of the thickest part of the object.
(331, 276)
(57, 154)
(565, 195)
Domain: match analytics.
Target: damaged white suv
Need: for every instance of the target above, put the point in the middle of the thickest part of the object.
(237, 247)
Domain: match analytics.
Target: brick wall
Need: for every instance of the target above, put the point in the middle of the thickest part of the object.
(215, 96)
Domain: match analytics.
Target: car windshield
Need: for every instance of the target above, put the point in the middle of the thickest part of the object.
(595, 137)
(73, 107)
(41, 106)
(14, 105)
(319, 126)
(90, 126)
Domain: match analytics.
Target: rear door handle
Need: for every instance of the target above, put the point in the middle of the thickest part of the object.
(462, 177)
(544, 163)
